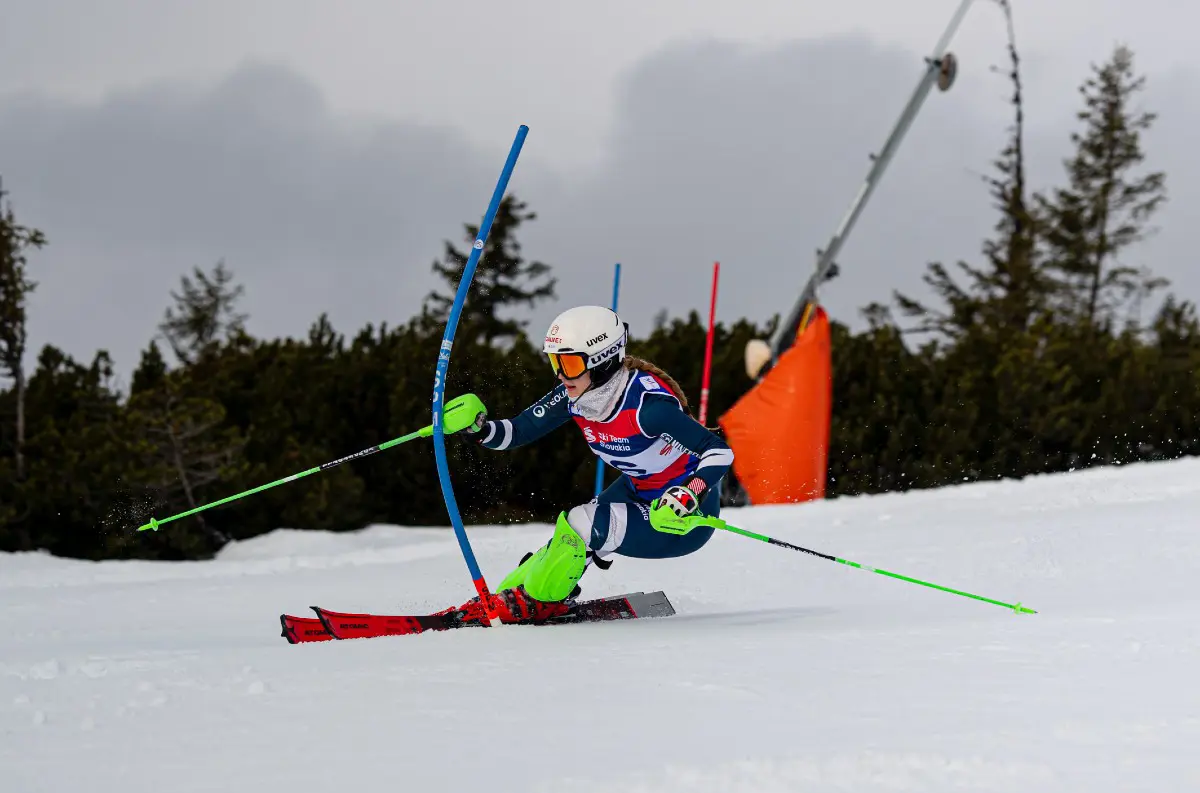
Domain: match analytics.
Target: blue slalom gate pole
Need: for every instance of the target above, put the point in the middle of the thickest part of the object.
(616, 292)
(443, 365)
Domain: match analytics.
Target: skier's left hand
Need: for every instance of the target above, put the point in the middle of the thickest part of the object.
(465, 413)
(681, 500)
(669, 514)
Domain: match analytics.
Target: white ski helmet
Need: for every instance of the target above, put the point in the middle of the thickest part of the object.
(586, 338)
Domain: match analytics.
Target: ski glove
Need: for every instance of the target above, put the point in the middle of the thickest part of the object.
(670, 513)
(681, 500)
(464, 414)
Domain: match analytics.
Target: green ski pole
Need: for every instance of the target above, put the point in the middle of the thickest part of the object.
(456, 415)
(674, 525)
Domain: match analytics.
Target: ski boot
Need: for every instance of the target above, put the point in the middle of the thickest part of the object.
(544, 583)
(545, 580)
(510, 606)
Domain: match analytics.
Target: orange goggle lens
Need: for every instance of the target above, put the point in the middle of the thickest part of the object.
(569, 365)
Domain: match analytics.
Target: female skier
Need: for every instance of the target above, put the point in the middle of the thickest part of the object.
(632, 415)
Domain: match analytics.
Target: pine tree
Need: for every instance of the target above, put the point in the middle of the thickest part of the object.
(503, 278)
(184, 446)
(1008, 295)
(1105, 206)
(151, 370)
(203, 314)
(15, 288)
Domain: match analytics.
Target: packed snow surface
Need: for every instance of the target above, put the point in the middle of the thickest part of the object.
(780, 672)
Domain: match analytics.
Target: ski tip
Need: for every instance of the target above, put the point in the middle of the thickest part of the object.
(301, 630)
(289, 631)
(324, 618)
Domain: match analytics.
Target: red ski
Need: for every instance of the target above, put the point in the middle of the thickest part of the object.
(343, 625)
(303, 629)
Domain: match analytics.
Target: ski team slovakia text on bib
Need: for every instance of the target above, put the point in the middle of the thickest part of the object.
(651, 462)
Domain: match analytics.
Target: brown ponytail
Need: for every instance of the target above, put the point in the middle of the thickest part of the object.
(637, 363)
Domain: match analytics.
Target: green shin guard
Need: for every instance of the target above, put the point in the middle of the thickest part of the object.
(554, 569)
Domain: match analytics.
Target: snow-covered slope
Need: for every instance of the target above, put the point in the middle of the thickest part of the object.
(780, 671)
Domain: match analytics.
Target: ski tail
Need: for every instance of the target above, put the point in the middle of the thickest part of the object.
(632, 605)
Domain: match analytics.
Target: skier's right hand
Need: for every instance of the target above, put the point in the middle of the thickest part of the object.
(465, 413)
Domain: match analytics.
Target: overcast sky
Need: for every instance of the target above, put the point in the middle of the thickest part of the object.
(325, 151)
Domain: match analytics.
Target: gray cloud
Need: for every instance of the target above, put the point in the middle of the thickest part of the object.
(310, 214)
(751, 156)
(719, 151)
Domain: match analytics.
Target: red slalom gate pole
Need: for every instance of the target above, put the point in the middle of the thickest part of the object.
(708, 345)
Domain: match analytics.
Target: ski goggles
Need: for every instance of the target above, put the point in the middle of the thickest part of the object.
(569, 364)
